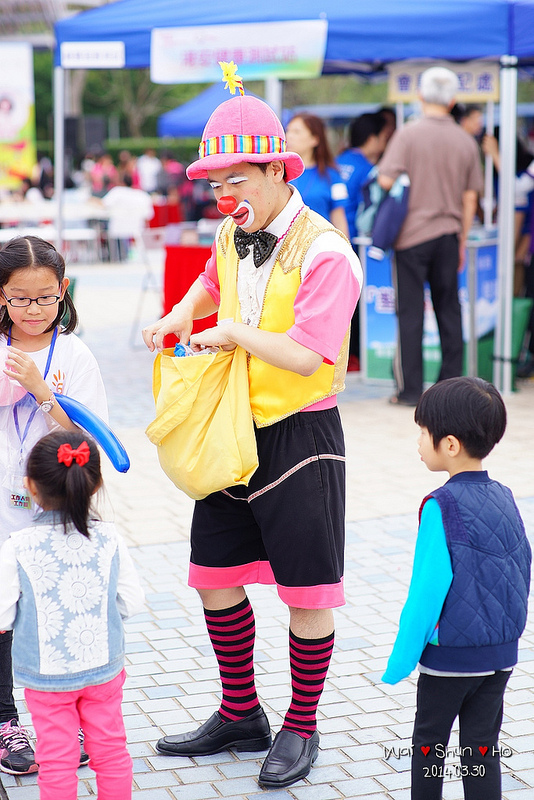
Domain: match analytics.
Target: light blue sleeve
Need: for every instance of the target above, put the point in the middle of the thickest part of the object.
(431, 580)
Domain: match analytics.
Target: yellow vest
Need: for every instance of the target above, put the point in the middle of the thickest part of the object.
(277, 393)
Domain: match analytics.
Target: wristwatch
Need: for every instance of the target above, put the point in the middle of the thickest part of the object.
(48, 405)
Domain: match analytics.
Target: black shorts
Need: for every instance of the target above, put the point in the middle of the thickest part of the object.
(288, 525)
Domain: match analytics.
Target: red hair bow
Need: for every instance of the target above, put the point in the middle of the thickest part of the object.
(66, 455)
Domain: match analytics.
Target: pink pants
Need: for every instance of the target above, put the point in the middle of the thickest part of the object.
(56, 717)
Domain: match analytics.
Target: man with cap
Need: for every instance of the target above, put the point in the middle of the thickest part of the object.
(298, 282)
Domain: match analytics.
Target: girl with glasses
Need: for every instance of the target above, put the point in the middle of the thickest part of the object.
(40, 356)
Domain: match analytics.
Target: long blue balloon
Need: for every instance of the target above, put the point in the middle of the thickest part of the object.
(99, 430)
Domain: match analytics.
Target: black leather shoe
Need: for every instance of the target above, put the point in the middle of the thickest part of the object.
(248, 734)
(289, 759)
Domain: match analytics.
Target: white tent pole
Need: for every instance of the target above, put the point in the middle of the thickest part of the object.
(488, 169)
(59, 149)
(399, 114)
(273, 94)
(502, 373)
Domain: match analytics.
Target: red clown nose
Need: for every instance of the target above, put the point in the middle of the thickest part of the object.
(226, 205)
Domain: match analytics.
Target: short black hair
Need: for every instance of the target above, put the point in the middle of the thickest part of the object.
(263, 166)
(470, 409)
(460, 111)
(365, 126)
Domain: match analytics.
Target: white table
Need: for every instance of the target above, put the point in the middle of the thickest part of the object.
(37, 219)
(22, 213)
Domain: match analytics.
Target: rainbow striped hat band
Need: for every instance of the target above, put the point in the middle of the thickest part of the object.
(243, 129)
(231, 143)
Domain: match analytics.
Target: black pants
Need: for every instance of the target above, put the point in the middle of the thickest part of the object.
(435, 261)
(478, 702)
(8, 710)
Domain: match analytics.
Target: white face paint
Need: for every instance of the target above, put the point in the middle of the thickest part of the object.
(233, 181)
(244, 215)
(252, 191)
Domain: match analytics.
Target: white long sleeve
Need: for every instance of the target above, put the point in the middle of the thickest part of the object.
(9, 581)
(130, 594)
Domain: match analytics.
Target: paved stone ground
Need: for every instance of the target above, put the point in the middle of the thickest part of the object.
(172, 681)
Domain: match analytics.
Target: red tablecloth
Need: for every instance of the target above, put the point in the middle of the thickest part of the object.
(164, 214)
(182, 266)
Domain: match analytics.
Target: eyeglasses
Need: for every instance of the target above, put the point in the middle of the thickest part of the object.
(23, 302)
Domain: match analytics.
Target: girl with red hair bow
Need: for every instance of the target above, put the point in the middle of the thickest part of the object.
(68, 582)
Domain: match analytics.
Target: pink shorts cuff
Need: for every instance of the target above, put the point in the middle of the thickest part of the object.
(329, 595)
(324, 596)
(228, 577)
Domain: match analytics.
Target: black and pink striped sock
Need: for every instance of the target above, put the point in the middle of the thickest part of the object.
(232, 633)
(309, 659)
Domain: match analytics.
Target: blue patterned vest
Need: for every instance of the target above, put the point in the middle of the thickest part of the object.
(485, 610)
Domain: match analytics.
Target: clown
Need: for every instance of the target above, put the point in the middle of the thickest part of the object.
(298, 282)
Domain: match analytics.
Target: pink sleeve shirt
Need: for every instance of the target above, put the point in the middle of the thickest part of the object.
(209, 278)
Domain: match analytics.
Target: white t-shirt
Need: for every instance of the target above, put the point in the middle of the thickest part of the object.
(148, 168)
(129, 209)
(73, 372)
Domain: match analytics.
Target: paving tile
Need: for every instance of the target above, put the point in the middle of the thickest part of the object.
(196, 791)
(358, 787)
(237, 786)
(24, 793)
(154, 780)
(316, 792)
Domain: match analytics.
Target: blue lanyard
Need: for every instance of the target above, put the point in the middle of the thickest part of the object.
(22, 438)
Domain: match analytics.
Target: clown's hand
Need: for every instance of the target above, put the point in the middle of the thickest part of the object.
(178, 321)
(219, 336)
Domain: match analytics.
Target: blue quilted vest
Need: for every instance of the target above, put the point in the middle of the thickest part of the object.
(485, 610)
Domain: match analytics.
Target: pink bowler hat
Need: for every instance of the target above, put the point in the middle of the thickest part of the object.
(242, 129)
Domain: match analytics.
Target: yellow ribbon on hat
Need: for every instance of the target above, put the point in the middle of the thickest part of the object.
(231, 78)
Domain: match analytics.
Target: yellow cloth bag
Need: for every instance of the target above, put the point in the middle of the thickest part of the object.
(204, 429)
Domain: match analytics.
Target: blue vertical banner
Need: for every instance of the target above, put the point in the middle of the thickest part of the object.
(381, 333)
(381, 328)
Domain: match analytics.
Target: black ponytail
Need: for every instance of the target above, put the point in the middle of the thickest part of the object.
(62, 487)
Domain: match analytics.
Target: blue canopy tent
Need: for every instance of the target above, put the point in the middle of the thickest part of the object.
(359, 33)
(361, 37)
(190, 118)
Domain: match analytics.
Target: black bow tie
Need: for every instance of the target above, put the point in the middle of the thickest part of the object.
(263, 244)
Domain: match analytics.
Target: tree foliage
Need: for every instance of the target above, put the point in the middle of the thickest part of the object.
(132, 96)
(42, 76)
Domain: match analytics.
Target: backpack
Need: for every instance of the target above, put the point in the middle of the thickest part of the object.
(381, 214)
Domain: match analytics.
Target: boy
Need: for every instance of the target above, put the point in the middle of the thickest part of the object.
(467, 603)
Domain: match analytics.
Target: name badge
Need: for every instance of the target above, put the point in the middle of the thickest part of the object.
(19, 496)
(20, 500)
